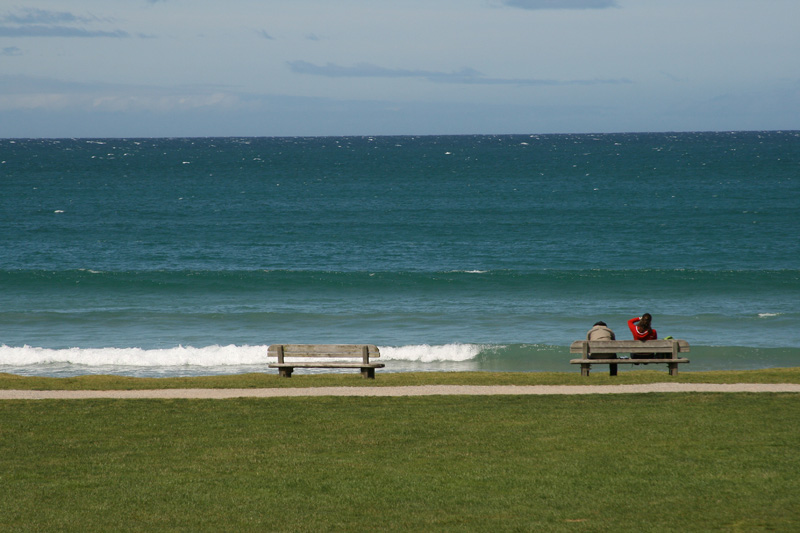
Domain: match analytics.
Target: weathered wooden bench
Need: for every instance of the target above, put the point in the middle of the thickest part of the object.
(663, 351)
(327, 351)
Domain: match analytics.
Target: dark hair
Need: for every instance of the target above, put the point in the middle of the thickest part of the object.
(600, 323)
(645, 321)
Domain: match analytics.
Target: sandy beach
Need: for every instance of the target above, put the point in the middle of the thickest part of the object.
(426, 390)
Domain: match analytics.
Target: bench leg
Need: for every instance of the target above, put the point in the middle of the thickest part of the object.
(673, 369)
(585, 369)
(285, 372)
(368, 373)
(612, 370)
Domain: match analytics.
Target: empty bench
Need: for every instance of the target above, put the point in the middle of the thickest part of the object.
(642, 353)
(323, 353)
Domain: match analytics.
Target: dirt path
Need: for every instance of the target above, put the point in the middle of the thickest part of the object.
(425, 390)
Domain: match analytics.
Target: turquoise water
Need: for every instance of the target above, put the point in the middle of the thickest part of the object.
(190, 256)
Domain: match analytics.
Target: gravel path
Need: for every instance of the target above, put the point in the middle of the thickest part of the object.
(425, 390)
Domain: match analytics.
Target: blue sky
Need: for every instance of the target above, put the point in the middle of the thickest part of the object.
(152, 68)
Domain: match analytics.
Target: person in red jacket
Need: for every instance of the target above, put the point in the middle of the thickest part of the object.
(640, 327)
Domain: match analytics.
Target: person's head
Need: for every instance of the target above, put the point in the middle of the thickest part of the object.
(600, 323)
(645, 321)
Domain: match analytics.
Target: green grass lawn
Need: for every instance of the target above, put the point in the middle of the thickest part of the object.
(385, 379)
(649, 462)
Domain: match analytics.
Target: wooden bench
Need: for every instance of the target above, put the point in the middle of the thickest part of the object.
(328, 351)
(664, 351)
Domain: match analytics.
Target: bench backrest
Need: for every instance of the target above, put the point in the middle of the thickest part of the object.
(362, 351)
(673, 346)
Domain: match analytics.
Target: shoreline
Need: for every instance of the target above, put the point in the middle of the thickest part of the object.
(399, 391)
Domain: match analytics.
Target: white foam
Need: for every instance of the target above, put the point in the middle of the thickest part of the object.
(425, 353)
(179, 356)
(766, 315)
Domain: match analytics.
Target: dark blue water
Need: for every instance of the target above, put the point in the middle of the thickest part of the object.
(182, 256)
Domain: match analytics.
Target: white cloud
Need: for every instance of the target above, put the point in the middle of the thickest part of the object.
(41, 16)
(32, 22)
(42, 94)
(466, 75)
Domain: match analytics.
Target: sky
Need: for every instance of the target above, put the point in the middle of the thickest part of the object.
(204, 68)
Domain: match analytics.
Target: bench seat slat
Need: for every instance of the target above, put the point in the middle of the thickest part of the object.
(630, 346)
(326, 365)
(323, 350)
(628, 361)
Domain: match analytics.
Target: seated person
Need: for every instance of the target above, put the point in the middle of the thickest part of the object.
(601, 332)
(642, 331)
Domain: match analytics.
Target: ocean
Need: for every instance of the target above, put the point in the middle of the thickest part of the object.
(181, 257)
